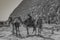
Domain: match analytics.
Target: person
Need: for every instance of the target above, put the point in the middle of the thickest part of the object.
(39, 23)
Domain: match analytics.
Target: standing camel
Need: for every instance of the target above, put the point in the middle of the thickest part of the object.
(30, 22)
(16, 25)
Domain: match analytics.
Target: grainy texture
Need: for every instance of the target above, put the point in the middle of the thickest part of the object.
(48, 9)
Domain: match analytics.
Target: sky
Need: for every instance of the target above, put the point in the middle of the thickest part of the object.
(7, 7)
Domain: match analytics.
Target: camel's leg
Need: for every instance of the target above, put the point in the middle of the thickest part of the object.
(27, 31)
(34, 29)
(16, 30)
(13, 29)
(19, 31)
(39, 29)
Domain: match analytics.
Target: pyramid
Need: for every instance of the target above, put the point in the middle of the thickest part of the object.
(32, 7)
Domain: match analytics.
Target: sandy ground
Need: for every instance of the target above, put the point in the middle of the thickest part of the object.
(6, 34)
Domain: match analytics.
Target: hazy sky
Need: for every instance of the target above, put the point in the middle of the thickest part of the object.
(6, 8)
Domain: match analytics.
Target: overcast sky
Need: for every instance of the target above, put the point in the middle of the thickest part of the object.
(6, 8)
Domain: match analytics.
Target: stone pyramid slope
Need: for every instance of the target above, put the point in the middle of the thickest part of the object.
(30, 6)
(26, 6)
